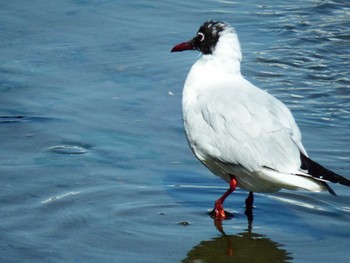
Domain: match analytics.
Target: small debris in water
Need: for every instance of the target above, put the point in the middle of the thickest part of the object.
(184, 223)
(162, 213)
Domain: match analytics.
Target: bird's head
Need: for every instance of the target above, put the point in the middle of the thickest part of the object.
(205, 40)
(219, 44)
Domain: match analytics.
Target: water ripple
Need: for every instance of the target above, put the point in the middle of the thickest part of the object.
(68, 149)
(23, 119)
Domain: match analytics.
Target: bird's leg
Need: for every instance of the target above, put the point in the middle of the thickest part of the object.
(249, 201)
(218, 211)
(249, 208)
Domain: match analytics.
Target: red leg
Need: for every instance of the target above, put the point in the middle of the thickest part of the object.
(218, 211)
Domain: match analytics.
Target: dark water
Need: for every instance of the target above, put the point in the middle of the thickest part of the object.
(94, 163)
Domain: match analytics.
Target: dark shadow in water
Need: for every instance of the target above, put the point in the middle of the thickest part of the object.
(243, 247)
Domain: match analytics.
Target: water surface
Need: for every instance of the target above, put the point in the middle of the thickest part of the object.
(94, 163)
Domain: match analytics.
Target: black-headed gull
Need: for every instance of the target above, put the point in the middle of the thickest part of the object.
(238, 131)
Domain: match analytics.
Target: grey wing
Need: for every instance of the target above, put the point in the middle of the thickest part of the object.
(250, 130)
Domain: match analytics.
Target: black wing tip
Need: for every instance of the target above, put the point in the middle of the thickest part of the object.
(330, 190)
(321, 173)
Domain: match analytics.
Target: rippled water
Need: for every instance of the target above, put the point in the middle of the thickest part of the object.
(94, 163)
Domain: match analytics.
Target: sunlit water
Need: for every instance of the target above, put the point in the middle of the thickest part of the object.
(94, 163)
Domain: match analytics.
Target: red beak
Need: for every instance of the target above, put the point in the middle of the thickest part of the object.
(183, 46)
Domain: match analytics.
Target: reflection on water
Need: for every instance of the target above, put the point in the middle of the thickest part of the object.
(244, 247)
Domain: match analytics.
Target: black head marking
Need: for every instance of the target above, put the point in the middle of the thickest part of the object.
(208, 36)
(206, 39)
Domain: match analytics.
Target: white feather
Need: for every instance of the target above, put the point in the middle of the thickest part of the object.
(236, 128)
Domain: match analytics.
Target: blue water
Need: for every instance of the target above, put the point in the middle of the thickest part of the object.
(94, 163)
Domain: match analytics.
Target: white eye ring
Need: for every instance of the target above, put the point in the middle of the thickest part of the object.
(202, 37)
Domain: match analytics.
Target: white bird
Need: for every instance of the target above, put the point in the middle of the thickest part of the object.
(239, 132)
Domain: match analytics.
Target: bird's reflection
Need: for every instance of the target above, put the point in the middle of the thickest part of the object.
(243, 247)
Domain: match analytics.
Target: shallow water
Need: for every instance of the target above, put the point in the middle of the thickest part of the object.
(95, 166)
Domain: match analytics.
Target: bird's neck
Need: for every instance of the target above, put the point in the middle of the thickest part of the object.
(227, 55)
(223, 65)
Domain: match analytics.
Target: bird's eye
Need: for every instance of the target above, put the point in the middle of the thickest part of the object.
(200, 36)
